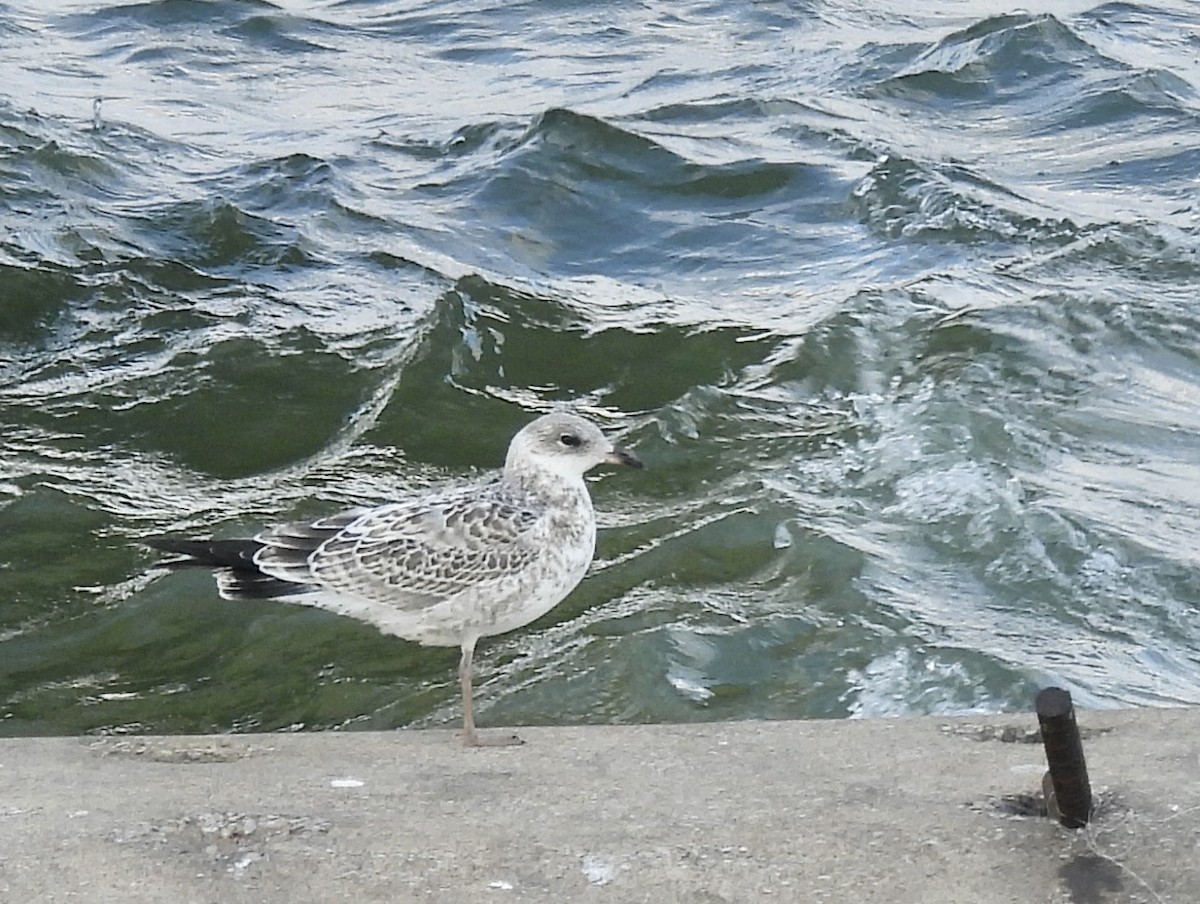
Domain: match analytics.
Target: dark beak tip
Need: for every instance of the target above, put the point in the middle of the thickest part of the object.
(624, 457)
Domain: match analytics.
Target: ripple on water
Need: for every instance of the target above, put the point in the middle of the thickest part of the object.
(899, 309)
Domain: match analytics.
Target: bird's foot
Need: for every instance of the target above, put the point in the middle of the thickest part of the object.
(474, 738)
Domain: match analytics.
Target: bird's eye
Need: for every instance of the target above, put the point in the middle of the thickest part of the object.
(570, 439)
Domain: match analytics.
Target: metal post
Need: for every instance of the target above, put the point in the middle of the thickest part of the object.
(1064, 755)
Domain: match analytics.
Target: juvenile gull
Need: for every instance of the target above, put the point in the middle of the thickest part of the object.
(444, 569)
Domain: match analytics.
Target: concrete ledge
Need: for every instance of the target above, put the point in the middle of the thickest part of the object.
(888, 811)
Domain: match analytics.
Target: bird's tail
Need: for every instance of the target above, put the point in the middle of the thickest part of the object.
(235, 554)
(238, 577)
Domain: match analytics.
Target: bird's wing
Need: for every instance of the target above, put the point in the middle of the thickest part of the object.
(406, 555)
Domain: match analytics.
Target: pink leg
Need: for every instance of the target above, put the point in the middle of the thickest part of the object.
(470, 737)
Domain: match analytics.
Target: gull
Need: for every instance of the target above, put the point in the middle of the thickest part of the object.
(442, 569)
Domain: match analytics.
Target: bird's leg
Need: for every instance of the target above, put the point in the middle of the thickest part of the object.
(471, 738)
(464, 679)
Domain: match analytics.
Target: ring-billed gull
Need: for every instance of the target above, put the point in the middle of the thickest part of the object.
(444, 569)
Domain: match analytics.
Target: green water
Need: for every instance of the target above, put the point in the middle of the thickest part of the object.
(899, 309)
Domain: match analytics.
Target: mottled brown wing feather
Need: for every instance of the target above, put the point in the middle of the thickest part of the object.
(413, 555)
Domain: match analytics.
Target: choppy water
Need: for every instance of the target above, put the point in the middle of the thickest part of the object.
(899, 307)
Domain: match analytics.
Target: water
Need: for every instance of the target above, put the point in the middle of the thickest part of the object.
(899, 308)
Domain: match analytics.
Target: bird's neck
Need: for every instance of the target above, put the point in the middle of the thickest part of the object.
(546, 483)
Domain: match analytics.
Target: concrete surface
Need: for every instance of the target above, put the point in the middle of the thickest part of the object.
(895, 811)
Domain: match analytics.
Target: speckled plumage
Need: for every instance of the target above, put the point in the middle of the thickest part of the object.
(442, 569)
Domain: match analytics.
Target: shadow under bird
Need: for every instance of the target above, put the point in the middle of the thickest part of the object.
(442, 569)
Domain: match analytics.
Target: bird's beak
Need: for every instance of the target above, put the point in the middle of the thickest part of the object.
(622, 456)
